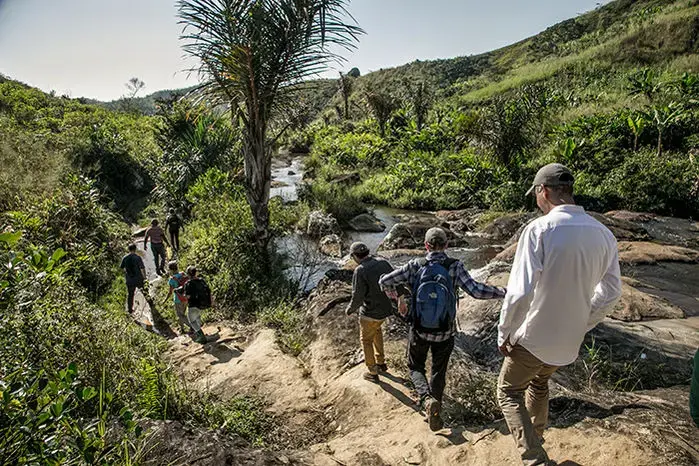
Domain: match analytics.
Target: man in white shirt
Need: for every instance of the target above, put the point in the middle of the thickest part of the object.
(565, 279)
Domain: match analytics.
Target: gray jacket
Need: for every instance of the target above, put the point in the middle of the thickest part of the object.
(366, 294)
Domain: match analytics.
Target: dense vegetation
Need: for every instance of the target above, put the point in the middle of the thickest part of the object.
(612, 93)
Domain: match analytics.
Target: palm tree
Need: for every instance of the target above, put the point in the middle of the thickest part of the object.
(252, 54)
(345, 85)
(382, 104)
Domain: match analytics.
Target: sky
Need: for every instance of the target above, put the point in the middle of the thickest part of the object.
(91, 48)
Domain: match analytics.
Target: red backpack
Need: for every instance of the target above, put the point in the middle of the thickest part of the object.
(183, 278)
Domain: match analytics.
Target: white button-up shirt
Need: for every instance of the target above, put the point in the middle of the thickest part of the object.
(565, 279)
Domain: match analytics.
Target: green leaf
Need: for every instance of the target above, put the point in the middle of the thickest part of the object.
(87, 393)
(58, 254)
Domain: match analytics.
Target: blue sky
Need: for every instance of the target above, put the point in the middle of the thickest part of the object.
(91, 48)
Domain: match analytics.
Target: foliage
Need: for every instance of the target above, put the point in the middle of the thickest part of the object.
(287, 319)
(251, 54)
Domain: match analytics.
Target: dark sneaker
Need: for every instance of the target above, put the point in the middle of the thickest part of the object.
(432, 409)
(371, 377)
(382, 367)
(199, 337)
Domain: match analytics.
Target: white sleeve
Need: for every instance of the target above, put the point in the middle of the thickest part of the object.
(526, 271)
(607, 291)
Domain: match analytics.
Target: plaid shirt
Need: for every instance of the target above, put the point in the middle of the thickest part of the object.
(408, 274)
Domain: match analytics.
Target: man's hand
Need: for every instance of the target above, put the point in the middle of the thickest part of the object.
(506, 348)
(402, 306)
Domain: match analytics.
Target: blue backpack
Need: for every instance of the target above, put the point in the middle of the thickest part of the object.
(434, 300)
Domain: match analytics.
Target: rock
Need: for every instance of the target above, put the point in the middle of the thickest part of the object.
(346, 178)
(666, 230)
(331, 245)
(635, 305)
(291, 173)
(366, 222)
(321, 224)
(508, 254)
(278, 184)
(643, 252)
(411, 235)
(342, 275)
(628, 216)
(623, 230)
(140, 233)
(503, 228)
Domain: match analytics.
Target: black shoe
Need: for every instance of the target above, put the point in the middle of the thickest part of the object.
(382, 367)
(432, 411)
(371, 377)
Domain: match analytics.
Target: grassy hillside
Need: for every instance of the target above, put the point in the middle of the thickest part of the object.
(612, 93)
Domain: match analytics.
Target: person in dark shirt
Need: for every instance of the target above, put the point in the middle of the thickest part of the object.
(173, 223)
(135, 272)
(198, 298)
(373, 305)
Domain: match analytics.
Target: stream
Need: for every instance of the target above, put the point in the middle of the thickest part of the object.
(309, 265)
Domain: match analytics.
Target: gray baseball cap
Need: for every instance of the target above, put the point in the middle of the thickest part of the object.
(358, 248)
(553, 174)
(436, 236)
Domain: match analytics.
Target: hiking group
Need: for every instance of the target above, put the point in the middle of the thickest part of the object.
(565, 279)
(191, 294)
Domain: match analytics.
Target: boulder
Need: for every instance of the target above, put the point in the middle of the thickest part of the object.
(635, 305)
(643, 252)
(366, 222)
(628, 216)
(411, 235)
(291, 173)
(278, 184)
(331, 245)
(508, 254)
(503, 228)
(623, 230)
(666, 230)
(346, 178)
(321, 224)
(140, 233)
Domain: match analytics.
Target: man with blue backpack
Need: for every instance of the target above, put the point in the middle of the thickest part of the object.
(432, 316)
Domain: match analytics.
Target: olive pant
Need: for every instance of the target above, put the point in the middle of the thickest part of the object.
(372, 341)
(523, 396)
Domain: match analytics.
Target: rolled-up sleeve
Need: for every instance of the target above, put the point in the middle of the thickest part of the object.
(526, 272)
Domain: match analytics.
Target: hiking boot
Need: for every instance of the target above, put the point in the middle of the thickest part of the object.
(432, 409)
(371, 377)
(382, 367)
(199, 337)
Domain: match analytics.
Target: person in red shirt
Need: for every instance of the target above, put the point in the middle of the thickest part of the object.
(158, 242)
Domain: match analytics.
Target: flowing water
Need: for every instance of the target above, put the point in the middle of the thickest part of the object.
(308, 265)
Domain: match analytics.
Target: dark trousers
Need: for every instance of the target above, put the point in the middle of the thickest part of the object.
(417, 356)
(158, 256)
(175, 239)
(131, 288)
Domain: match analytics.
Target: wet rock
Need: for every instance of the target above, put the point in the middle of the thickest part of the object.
(508, 254)
(366, 222)
(643, 252)
(331, 245)
(278, 184)
(623, 230)
(291, 173)
(322, 224)
(666, 230)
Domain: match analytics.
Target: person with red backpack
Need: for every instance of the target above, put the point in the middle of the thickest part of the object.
(433, 281)
(198, 296)
(177, 280)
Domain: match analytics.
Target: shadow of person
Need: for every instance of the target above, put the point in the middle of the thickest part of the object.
(455, 435)
(399, 395)
(397, 379)
(160, 324)
(568, 463)
(222, 352)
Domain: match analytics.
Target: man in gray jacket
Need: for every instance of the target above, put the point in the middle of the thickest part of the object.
(373, 305)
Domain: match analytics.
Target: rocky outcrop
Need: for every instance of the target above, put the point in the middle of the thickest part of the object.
(411, 235)
(665, 230)
(643, 252)
(635, 305)
(366, 222)
(322, 224)
(331, 245)
(503, 228)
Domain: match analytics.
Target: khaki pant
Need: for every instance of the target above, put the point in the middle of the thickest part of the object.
(181, 311)
(372, 341)
(523, 395)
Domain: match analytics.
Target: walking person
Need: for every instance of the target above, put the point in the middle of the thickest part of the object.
(176, 282)
(565, 279)
(158, 241)
(433, 281)
(135, 272)
(173, 223)
(198, 296)
(373, 305)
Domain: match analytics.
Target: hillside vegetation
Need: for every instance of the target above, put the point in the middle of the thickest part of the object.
(612, 93)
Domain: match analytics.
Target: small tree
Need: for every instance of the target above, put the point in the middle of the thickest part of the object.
(252, 53)
(382, 105)
(637, 125)
(345, 85)
(420, 99)
(663, 118)
(644, 83)
(134, 85)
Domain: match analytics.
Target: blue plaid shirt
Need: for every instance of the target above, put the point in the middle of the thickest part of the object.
(407, 275)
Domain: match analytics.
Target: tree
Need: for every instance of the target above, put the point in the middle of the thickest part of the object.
(134, 85)
(252, 53)
(345, 85)
(637, 125)
(664, 117)
(644, 83)
(382, 104)
(420, 99)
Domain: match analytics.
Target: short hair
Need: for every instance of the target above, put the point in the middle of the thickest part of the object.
(191, 271)
(132, 247)
(562, 190)
(362, 255)
(154, 221)
(172, 265)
